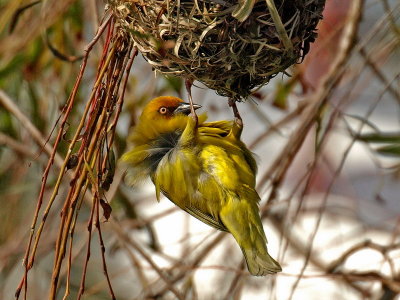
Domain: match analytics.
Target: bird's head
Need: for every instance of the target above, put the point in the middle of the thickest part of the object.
(165, 108)
(162, 115)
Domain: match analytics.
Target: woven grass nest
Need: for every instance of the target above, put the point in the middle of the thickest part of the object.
(202, 40)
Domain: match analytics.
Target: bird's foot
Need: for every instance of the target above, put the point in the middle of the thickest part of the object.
(188, 85)
(238, 118)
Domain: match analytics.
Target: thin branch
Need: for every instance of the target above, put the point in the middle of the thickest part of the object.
(36, 135)
(346, 45)
(317, 101)
(122, 235)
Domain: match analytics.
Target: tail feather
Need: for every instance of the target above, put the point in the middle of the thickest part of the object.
(260, 264)
(241, 218)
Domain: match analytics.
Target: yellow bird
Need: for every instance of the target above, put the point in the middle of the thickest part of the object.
(205, 169)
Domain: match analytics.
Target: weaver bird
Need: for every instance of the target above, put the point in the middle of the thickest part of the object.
(205, 169)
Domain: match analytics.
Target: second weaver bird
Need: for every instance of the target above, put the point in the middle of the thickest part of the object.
(205, 169)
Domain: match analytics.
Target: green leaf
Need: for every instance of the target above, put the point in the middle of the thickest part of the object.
(390, 150)
(281, 95)
(379, 137)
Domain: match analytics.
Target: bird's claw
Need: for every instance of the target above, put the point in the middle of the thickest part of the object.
(238, 118)
(188, 85)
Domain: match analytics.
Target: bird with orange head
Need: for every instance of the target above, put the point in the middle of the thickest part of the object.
(205, 169)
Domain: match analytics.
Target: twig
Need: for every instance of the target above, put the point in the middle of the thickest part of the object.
(334, 74)
(332, 268)
(91, 145)
(393, 91)
(10, 105)
(72, 192)
(136, 265)
(89, 239)
(134, 244)
(28, 260)
(236, 281)
(16, 146)
(288, 118)
(183, 272)
(317, 101)
(392, 21)
(103, 249)
(71, 240)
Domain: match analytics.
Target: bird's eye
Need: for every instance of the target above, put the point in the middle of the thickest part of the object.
(163, 110)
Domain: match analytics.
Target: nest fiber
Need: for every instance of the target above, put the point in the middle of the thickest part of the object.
(201, 40)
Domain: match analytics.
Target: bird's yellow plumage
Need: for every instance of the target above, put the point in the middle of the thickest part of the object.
(205, 169)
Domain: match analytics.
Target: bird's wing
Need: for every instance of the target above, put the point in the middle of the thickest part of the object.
(217, 128)
(215, 133)
(249, 157)
(206, 218)
(196, 178)
(198, 214)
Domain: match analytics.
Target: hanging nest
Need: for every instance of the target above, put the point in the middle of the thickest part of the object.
(202, 40)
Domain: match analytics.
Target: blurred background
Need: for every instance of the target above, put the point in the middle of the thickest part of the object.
(330, 191)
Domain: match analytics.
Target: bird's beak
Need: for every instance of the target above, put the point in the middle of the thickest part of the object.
(184, 108)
